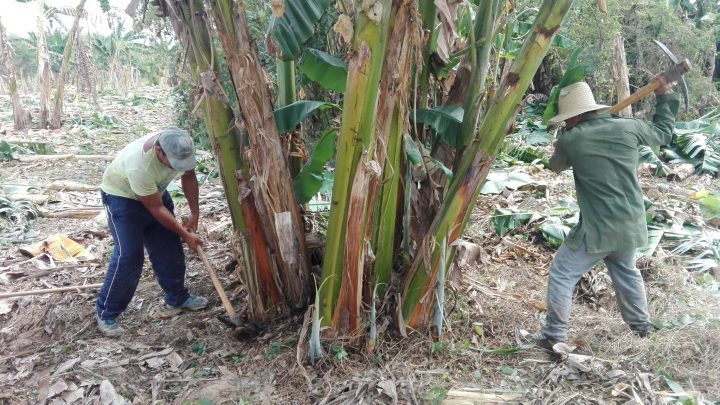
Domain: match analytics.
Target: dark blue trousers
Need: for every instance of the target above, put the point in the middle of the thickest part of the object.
(134, 228)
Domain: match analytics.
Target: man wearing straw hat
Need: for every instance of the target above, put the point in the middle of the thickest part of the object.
(602, 150)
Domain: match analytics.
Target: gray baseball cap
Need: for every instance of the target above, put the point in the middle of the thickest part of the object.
(179, 149)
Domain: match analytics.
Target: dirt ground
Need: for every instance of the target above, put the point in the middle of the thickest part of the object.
(51, 351)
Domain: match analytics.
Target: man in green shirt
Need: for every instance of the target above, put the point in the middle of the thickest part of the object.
(140, 216)
(602, 150)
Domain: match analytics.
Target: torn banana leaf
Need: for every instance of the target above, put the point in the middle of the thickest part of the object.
(555, 232)
(505, 220)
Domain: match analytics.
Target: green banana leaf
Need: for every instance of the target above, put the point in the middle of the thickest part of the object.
(505, 220)
(649, 155)
(411, 150)
(689, 149)
(496, 182)
(654, 237)
(325, 69)
(288, 117)
(446, 120)
(710, 208)
(445, 169)
(312, 176)
(574, 73)
(6, 151)
(554, 232)
(296, 25)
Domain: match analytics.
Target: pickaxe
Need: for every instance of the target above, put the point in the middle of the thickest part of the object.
(673, 74)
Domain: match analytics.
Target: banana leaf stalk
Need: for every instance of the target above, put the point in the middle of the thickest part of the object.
(452, 217)
(383, 241)
(392, 123)
(357, 137)
(428, 15)
(481, 43)
(286, 96)
(271, 182)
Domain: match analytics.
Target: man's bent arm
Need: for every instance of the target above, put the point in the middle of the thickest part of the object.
(154, 204)
(190, 188)
(559, 160)
(660, 132)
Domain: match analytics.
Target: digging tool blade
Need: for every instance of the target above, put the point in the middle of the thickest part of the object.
(681, 81)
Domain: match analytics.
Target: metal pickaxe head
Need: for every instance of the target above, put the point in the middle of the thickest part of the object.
(676, 71)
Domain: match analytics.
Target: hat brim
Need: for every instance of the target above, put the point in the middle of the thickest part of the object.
(574, 113)
(182, 165)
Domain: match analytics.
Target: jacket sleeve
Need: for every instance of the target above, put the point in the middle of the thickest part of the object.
(559, 160)
(661, 131)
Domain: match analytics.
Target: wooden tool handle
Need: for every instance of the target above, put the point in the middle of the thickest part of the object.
(216, 283)
(635, 97)
(75, 288)
(671, 75)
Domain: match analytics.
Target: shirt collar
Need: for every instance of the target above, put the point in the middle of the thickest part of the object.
(598, 116)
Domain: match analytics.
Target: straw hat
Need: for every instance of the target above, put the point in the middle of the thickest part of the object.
(574, 100)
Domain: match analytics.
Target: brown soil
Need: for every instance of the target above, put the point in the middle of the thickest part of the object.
(51, 351)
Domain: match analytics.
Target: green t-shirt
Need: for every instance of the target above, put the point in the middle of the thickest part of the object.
(603, 153)
(135, 172)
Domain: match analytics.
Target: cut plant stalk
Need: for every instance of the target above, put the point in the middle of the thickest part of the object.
(43, 75)
(86, 69)
(21, 117)
(55, 119)
(372, 334)
(316, 350)
(440, 292)
(417, 302)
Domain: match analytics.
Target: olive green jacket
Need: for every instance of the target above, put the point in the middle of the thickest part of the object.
(603, 153)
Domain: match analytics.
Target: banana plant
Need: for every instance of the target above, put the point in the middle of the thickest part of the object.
(292, 25)
(270, 184)
(417, 302)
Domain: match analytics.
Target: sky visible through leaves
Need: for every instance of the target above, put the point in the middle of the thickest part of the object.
(21, 18)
